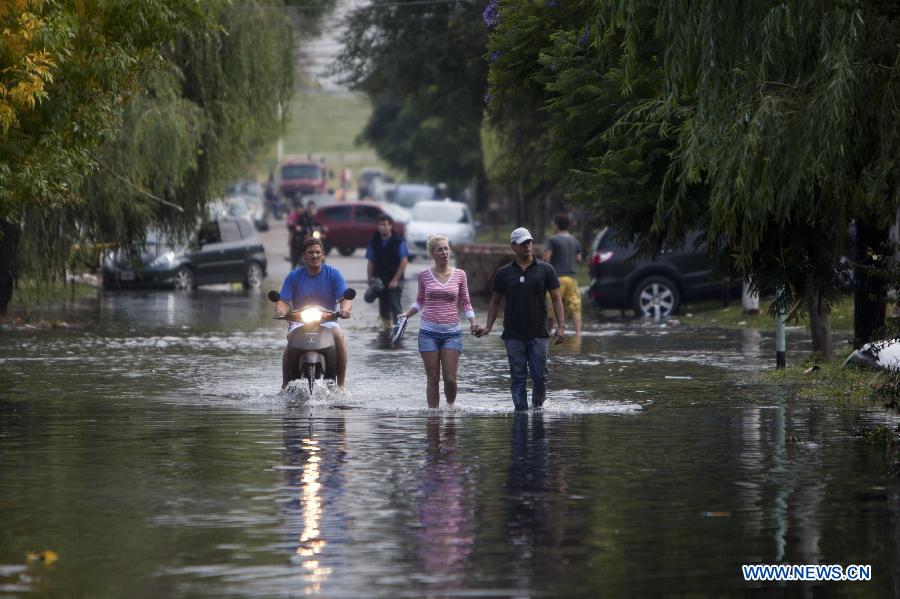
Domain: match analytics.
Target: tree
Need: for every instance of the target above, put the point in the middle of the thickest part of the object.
(788, 113)
(421, 65)
(752, 122)
(197, 109)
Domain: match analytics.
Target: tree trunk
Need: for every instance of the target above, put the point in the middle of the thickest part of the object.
(870, 292)
(820, 324)
(9, 246)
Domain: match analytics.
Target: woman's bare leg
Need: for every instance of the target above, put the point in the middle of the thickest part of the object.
(431, 359)
(449, 365)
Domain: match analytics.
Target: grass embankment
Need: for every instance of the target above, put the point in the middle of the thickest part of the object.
(32, 300)
(731, 316)
(326, 125)
(833, 383)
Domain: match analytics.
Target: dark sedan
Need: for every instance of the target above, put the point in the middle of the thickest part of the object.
(224, 250)
(652, 288)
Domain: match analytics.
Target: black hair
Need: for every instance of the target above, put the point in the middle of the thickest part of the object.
(384, 217)
(562, 221)
(311, 242)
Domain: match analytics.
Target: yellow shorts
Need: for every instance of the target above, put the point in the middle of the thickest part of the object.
(571, 297)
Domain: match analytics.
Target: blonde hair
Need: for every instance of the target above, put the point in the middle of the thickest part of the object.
(433, 239)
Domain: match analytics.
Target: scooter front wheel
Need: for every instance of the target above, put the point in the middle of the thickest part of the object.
(311, 376)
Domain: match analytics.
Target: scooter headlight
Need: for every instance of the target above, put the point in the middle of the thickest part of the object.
(311, 315)
(316, 235)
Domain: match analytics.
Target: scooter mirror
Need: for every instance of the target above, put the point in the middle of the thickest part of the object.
(349, 293)
(273, 296)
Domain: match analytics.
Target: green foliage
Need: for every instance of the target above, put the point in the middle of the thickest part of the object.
(98, 52)
(880, 436)
(198, 114)
(422, 67)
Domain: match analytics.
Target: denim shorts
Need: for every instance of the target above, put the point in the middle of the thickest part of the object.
(434, 341)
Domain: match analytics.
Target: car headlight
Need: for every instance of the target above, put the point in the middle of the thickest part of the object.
(166, 259)
(311, 315)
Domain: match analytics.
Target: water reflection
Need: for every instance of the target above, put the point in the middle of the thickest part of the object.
(534, 522)
(446, 508)
(313, 475)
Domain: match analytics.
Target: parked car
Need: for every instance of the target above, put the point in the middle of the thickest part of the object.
(224, 250)
(652, 288)
(258, 212)
(443, 217)
(382, 190)
(296, 177)
(367, 178)
(235, 206)
(408, 194)
(351, 225)
(251, 192)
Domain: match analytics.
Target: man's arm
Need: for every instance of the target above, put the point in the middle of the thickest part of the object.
(370, 273)
(399, 274)
(548, 251)
(493, 308)
(560, 333)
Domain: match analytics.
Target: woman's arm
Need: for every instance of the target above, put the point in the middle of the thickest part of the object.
(420, 299)
(464, 302)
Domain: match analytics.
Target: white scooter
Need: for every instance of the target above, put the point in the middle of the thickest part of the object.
(318, 357)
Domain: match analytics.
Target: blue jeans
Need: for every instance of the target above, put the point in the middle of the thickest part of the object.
(528, 355)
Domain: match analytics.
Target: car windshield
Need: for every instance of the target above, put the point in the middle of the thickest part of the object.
(408, 195)
(448, 212)
(301, 171)
(237, 207)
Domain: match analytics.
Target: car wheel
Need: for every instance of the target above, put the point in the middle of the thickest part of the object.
(655, 297)
(184, 279)
(345, 250)
(410, 258)
(254, 277)
(326, 247)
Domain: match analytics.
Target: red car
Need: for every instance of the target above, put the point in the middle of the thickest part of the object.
(351, 225)
(298, 177)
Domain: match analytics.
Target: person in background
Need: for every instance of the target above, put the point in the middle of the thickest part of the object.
(523, 283)
(563, 252)
(387, 255)
(301, 224)
(443, 291)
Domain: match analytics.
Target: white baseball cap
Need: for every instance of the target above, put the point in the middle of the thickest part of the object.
(519, 235)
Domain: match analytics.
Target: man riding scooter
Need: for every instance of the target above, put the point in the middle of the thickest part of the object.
(316, 283)
(302, 224)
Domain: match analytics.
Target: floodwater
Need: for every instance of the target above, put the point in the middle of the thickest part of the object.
(150, 448)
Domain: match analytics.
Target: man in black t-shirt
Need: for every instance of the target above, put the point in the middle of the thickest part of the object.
(524, 283)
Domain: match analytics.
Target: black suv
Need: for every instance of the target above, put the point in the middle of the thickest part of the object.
(652, 288)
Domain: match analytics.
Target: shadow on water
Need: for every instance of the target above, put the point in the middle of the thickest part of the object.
(153, 449)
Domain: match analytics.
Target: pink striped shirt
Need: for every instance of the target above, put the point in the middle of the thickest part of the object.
(440, 303)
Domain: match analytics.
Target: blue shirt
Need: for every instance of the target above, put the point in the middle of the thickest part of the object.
(402, 249)
(324, 289)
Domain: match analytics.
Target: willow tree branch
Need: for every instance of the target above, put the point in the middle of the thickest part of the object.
(137, 187)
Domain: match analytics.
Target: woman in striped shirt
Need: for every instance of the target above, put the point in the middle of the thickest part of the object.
(443, 291)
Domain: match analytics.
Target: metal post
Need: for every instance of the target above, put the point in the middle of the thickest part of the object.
(780, 356)
(279, 146)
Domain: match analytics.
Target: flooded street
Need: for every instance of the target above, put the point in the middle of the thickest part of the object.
(150, 448)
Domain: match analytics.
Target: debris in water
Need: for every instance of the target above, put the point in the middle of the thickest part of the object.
(47, 556)
(673, 377)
